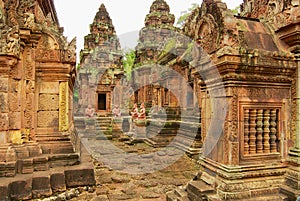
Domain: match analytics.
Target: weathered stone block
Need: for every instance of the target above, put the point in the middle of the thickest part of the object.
(14, 102)
(48, 102)
(4, 84)
(4, 196)
(34, 150)
(4, 121)
(49, 87)
(40, 164)
(15, 120)
(48, 119)
(27, 166)
(82, 177)
(41, 187)
(57, 182)
(20, 190)
(3, 137)
(3, 102)
(2, 169)
(10, 169)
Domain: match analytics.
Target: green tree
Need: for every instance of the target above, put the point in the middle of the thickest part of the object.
(184, 15)
(236, 10)
(128, 61)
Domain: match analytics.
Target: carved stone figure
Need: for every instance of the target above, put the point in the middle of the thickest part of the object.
(13, 41)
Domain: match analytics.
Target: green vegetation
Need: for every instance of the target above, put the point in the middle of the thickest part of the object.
(128, 61)
(184, 15)
(236, 10)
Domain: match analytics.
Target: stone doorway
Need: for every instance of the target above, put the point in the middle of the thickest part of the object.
(102, 101)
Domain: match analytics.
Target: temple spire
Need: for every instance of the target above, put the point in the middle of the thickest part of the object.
(159, 15)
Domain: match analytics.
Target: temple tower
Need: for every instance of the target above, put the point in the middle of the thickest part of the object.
(158, 29)
(100, 65)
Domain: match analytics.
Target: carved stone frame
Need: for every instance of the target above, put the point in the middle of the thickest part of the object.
(254, 158)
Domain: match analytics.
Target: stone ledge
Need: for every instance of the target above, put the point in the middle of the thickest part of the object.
(45, 183)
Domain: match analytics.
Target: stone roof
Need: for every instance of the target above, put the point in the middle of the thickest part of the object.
(254, 35)
(217, 29)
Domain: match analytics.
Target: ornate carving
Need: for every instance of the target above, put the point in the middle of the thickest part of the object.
(259, 130)
(207, 33)
(14, 102)
(273, 130)
(266, 131)
(246, 132)
(4, 84)
(29, 64)
(48, 102)
(47, 119)
(49, 87)
(3, 102)
(13, 41)
(28, 114)
(70, 52)
(4, 121)
(47, 55)
(11, 6)
(252, 138)
(263, 131)
(63, 106)
(15, 120)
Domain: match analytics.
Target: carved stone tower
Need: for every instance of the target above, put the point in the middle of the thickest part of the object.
(158, 29)
(100, 65)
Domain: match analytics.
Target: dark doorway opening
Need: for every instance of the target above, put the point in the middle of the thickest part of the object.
(101, 101)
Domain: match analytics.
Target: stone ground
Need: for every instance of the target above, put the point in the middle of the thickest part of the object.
(115, 183)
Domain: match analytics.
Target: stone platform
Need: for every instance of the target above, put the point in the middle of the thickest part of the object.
(54, 179)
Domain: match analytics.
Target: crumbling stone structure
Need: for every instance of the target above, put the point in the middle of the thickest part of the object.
(37, 75)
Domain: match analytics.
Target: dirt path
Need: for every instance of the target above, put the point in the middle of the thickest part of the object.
(114, 184)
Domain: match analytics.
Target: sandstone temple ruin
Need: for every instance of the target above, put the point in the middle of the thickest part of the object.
(37, 78)
(224, 88)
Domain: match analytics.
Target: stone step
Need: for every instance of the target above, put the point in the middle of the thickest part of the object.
(52, 137)
(46, 183)
(180, 192)
(57, 147)
(60, 160)
(278, 197)
(171, 196)
(198, 190)
(177, 195)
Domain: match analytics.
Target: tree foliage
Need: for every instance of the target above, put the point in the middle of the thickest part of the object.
(236, 10)
(184, 14)
(128, 61)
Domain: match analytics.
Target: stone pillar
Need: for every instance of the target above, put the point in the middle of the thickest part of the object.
(28, 83)
(63, 106)
(295, 151)
(6, 63)
(15, 102)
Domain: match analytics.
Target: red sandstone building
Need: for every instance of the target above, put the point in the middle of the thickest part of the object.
(243, 71)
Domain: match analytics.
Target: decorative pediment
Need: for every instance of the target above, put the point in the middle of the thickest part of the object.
(279, 13)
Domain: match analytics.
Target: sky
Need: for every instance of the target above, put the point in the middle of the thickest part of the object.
(127, 16)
